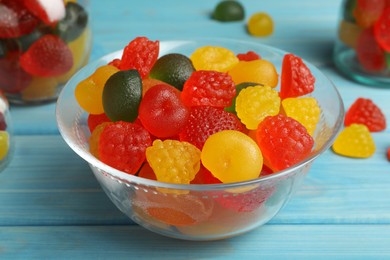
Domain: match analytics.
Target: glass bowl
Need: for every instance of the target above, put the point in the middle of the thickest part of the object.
(42, 48)
(199, 212)
(6, 133)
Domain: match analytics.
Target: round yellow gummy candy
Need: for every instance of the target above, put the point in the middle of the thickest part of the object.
(355, 141)
(232, 156)
(4, 144)
(257, 71)
(213, 58)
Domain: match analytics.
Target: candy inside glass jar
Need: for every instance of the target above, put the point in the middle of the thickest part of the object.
(42, 44)
(362, 49)
(6, 139)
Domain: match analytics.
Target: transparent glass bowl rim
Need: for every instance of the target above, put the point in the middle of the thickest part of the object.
(132, 179)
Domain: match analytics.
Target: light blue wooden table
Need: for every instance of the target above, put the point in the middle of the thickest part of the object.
(52, 207)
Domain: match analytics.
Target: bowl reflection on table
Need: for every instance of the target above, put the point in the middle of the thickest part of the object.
(200, 212)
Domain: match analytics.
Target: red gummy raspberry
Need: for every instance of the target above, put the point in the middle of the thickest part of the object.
(48, 56)
(382, 30)
(140, 54)
(296, 78)
(246, 201)
(122, 145)
(249, 56)
(365, 111)
(12, 77)
(205, 121)
(115, 62)
(15, 19)
(95, 120)
(208, 88)
(49, 11)
(369, 54)
(283, 141)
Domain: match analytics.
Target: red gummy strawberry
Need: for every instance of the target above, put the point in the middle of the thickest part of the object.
(48, 56)
(49, 11)
(283, 141)
(95, 120)
(208, 88)
(15, 19)
(122, 145)
(140, 54)
(365, 111)
(370, 55)
(249, 56)
(296, 79)
(246, 201)
(382, 30)
(205, 121)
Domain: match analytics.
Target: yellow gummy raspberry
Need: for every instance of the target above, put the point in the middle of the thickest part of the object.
(303, 109)
(173, 161)
(354, 141)
(89, 92)
(94, 139)
(253, 104)
(258, 71)
(213, 58)
(4, 144)
(232, 156)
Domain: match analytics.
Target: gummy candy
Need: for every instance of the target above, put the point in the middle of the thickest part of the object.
(382, 30)
(123, 87)
(249, 56)
(40, 88)
(365, 111)
(260, 24)
(239, 87)
(370, 55)
(349, 33)
(4, 144)
(253, 104)
(140, 54)
(173, 69)
(162, 112)
(283, 141)
(147, 172)
(355, 141)
(173, 161)
(74, 23)
(367, 12)
(48, 56)
(49, 11)
(204, 121)
(12, 77)
(213, 58)
(208, 88)
(204, 176)
(122, 145)
(296, 78)
(94, 139)
(260, 71)
(148, 83)
(232, 156)
(95, 120)
(303, 109)
(228, 11)
(89, 92)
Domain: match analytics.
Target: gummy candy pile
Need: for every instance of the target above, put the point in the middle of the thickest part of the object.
(4, 132)
(365, 28)
(213, 117)
(42, 44)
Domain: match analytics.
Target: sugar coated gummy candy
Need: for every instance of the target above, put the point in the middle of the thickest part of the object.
(232, 156)
(213, 58)
(355, 141)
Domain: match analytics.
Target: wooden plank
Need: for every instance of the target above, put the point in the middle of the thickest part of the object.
(134, 242)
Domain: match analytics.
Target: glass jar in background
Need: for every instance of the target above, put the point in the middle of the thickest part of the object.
(42, 44)
(362, 49)
(6, 133)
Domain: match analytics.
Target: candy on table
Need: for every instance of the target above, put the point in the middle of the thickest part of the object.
(228, 11)
(122, 145)
(260, 71)
(232, 156)
(365, 111)
(255, 103)
(173, 161)
(260, 24)
(354, 141)
(303, 109)
(213, 58)
(204, 121)
(162, 112)
(283, 141)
